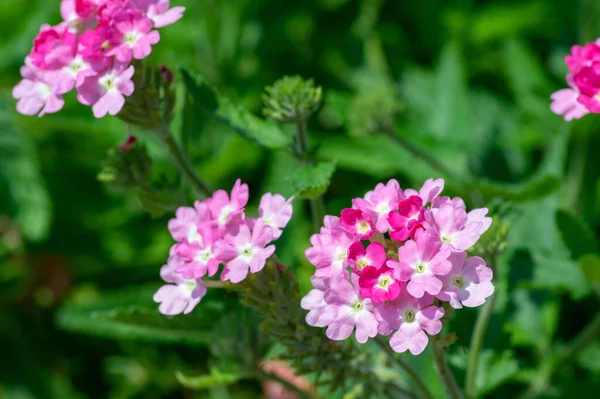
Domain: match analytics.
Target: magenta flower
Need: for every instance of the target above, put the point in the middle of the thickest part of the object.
(379, 284)
(379, 202)
(350, 311)
(421, 263)
(407, 219)
(133, 36)
(35, 94)
(275, 212)
(320, 314)
(224, 208)
(53, 48)
(359, 258)
(105, 91)
(357, 222)
(412, 317)
(469, 282)
(199, 254)
(245, 251)
(182, 295)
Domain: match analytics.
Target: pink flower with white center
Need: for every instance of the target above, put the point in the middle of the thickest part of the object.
(469, 282)
(454, 227)
(133, 36)
(275, 212)
(329, 252)
(429, 192)
(319, 315)
(357, 222)
(72, 75)
(35, 94)
(564, 102)
(184, 227)
(105, 92)
(350, 311)
(224, 208)
(182, 295)
(199, 255)
(53, 48)
(422, 262)
(160, 13)
(412, 317)
(380, 202)
(246, 250)
(379, 284)
(359, 258)
(407, 219)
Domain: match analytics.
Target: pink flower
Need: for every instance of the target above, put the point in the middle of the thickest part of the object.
(379, 284)
(359, 258)
(357, 222)
(224, 208)
(246, 250)
(581, 57)
(320, 314)
(35, 94)
(105, 92)
(182, 295)
(53, 48)
(275, 212)
(422, 262)
(408, 219)
(454, 227)
(350, 311)
(564, 102)
(379, 202)
(329, 251)
(160, 13)
(187, 220)
(133, 36)
(469, 282)
(412, 317)
(430, 190)
(199, 255)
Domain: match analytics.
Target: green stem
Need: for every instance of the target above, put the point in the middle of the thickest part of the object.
(412, 373)
(419, 153)
(587, 336)
(443, 370)
(181, 160)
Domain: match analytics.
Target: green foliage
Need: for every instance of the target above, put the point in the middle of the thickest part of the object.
(311, 181)
(590, 266)
(291, 99)
(527, 191)
(576, 235)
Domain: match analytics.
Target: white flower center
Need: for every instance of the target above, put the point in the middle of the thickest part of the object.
(188, 286)
(194, 236)
(383, 208)
(247, 251)
(458, 281)
(225, 212)
(420, 268)
(130, 38)
(108, 81)
(384, 282)
(204, 256)
(44, 90)
(76, 66)
(363, 227)
(358, 306)
(446, 238)
(362, 263)
(409, 316)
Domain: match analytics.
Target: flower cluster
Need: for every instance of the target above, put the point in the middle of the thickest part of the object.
(583, 78)
(216, 231)
(91, 51)
(414, 259)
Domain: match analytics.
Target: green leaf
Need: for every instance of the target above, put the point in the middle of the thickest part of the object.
(590, 266)
(576, 235)
(131, 314)
(528, 191)
(160, 202)
(496, 370)
(310, 181)
(216, 378)
(260, 131)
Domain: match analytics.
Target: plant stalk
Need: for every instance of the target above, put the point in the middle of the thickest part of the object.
(443, 370)
(182, 161)
(412, 373)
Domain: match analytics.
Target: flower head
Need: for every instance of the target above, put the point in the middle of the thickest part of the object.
(468, 283)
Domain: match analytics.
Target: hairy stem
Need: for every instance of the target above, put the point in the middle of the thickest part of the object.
(412, 373)
(439, 357)
(181, 160)
(587, 336)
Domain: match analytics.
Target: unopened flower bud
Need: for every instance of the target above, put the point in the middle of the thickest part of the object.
(291, 99)
(128, 144)
(127, 166)
(166, 74)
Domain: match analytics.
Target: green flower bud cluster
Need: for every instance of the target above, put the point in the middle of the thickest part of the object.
(291, 99)
(127, 167)
(373, 111)
(493, 242)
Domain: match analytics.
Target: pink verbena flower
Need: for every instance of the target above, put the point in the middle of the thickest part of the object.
(106, 91)
(429, 192)
(358, 223)
(329, 251)
(564, 102)
(185, 225)
(350, 311)
(407, 219)
(132, 36)
(224, 208)
(359, 258)
(160, 13)
(469, 282)
(320, 314)
(421, 263)
(199, 254)
(275, 212)
(53, 48)
(412, 317)
(379, 284)
(182, 295)
(36, 94)
(379, 202)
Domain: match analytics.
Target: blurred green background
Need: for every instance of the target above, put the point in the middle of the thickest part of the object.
(469, 81)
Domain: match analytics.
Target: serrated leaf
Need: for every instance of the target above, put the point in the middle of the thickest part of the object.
(528, 191)
(216, 378)
(311, 181)
(132, 315)
(576, 235)
(590, 266)
(260, 131)
(496, 370)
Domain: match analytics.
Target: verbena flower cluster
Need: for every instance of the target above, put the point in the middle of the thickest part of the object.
(583, 96)
(389, 262)
(91, 51)
(217, 231)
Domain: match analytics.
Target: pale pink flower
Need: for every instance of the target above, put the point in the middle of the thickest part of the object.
(199, 255)
(160, 13)
(379, 284)
(380, 202)
(329, 251)
(357, 222)
(564, 102)
(429, 192)
(407, 219)
(320, 314)
(35, 94)
(224, 208)
(359, 258)
(246, 250)
(182, 295)
(351, 311)
(422, 262)
(469, 282)
(105, 91)
(275, 212)
(454, 227)
(187, 221)
(133, 36)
